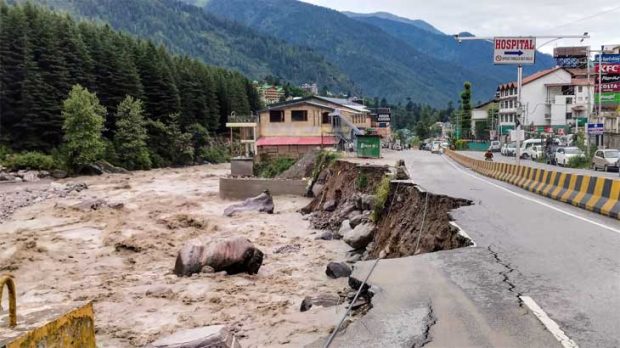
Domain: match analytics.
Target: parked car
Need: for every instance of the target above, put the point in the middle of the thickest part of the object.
(527, 144)
(534, 152)
(428, 146)
(495, 146)
(421, 146)
(606, 160)
(436, 146)
(445, 145)
(564, 154)
(509, 149)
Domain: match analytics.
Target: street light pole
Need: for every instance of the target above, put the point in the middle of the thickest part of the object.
(519, 113)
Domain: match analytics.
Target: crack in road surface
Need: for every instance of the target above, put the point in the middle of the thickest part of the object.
(505, 276)
(429, 321)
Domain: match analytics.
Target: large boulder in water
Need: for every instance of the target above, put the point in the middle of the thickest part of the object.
(201, 337)
(360, 236)
(233, 255)
(190, 259)
(262, 203)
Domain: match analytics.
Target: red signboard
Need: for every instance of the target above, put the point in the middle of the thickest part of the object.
(613, 69)
(608, 87)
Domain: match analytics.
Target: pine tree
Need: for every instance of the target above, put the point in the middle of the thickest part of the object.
(130, 137)
(466, 110)
(13, 45)
(83, 124)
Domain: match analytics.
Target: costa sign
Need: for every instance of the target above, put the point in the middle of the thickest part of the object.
(608, 87)
(613, 69)
(514, 50)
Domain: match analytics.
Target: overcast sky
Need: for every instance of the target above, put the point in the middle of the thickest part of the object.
(600, 18)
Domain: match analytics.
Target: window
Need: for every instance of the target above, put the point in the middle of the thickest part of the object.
(276, 116)
(569, 100)
(325, 118)
(569, 115)
(299, 115)
(580, 89)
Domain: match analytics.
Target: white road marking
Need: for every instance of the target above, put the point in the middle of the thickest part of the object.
(535, 200)
(551, 325)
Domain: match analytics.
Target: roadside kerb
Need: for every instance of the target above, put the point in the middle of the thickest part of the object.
(597, 194)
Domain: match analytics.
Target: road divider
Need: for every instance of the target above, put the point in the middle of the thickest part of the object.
(596, 194)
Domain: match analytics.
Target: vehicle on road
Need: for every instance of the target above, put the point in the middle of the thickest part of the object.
(564, 154)
(488, 156)
(527, 144)
(436, 146)
(445, 145)
(509, 149)
(495, 146)
(534, 152)
(606, 159)
(550, 151)
(422, 146)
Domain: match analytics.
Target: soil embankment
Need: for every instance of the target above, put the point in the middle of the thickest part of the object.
(404, 228)
(353, 194)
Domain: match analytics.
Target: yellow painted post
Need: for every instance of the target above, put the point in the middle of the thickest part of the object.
(10, 284)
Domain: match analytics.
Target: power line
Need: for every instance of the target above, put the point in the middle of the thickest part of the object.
(587, 17)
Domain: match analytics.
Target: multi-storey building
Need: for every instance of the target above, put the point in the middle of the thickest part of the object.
(294, 127)
(553, 100)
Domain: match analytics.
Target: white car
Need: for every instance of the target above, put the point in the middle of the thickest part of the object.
(534, 152)
(564, 154)
(436, 147)
(509, 149)
(496, 146)
(606, 159)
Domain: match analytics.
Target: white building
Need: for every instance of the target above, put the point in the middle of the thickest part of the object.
(480, 114)
(552, 99)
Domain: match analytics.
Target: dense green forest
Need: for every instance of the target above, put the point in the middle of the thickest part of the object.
(186, 29)
(43, 54)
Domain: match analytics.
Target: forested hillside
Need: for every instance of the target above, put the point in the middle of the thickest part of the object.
(188, 30)
(380, 63)
(44, 54)
(475, 55)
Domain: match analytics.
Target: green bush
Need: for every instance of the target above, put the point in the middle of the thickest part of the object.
(29, 160)
(361, 182)
(381, 195)
(270, 168)
(4, 152)
(578, 162)
(461, 144)
(214, 154)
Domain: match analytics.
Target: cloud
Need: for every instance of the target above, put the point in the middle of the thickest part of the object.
(500, 18)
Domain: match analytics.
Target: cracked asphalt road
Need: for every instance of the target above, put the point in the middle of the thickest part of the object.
(569, 266)
(565, 258)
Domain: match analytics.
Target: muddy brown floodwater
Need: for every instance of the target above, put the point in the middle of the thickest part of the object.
(121, 254)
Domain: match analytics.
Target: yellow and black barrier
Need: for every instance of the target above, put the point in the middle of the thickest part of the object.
(67, 326)
(597, 194)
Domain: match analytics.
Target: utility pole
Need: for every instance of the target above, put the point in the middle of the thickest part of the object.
(519, 110)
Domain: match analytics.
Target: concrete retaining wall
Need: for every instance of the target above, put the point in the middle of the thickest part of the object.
(597, 194)
(242, 188)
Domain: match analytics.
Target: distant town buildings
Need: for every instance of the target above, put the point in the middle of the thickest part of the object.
(312, 89)
(269, 94)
